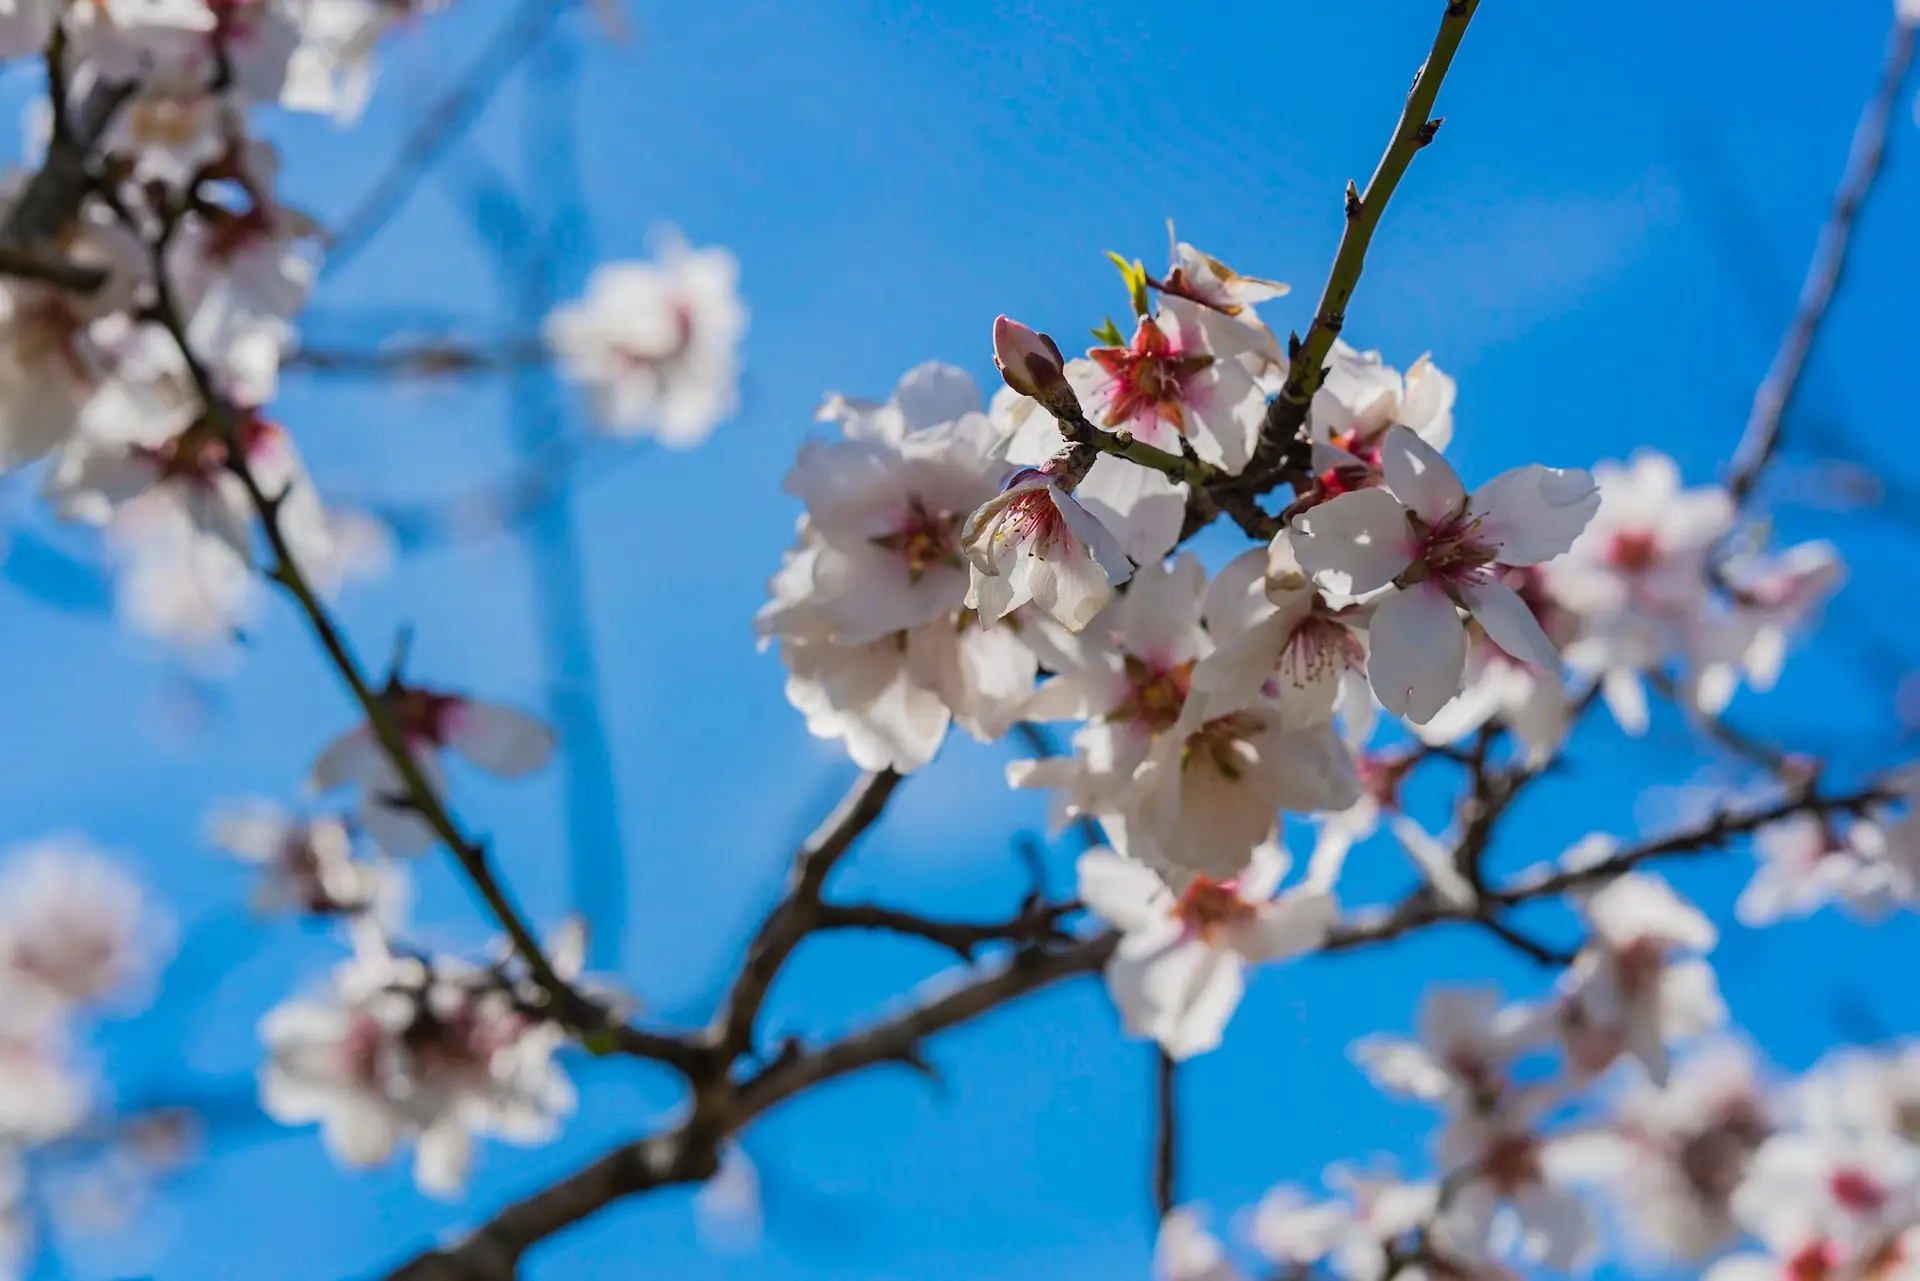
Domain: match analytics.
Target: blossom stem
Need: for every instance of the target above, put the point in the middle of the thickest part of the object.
(1761, 439)
(1287, 412)
(1166, 1134)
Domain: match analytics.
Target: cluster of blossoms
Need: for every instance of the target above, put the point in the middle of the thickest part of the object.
(1712, 1167)
(78, 938)
(184, 219)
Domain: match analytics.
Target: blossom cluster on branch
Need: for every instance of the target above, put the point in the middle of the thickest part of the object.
(1000, 564)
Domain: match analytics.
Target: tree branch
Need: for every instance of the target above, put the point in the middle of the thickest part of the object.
(1761, 439)
(1034, 924)
(798, 912)
(426, 359)
(597, 1027)
(1166, 1134)
(1287, 412)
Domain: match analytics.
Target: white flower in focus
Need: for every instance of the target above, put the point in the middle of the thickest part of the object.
(656, 343)
(1359, 400)
(1186, 1251)
(1279, 641)
(503, 741)
(1213, 787)
(1498, 688)
(1640, 981)
(1171, 385)
(75, 929)
(1442, 548)
(308, 863)
(1178, 973)
(1032, 542)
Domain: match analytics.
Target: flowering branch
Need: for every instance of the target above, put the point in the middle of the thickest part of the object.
(599, 1029)
(1287, 412)
(1761, 439)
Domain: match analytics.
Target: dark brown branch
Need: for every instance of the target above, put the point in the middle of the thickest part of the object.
(1035, 924)
(1166, 1134)
(1761, 439)
(596, 1026)
(1280, 433)
(798, 912)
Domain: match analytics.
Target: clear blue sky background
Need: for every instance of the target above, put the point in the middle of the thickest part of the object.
(1601, 248)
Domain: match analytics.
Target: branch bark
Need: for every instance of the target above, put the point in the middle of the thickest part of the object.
(1761, 439)
(1287, 412)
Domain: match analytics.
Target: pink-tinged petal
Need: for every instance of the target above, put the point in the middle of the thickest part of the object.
(1072, 589)
(1141, 506)
(1194, 991)
(1419, 476)
(500, 740)
(354, 757)
(1509, 623)
(1427, 404)
(1355, 543)
(1127, 894)
(930, 394)
(1418, 652)
(1532, 514)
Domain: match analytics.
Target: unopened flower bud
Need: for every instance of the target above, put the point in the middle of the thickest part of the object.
(1029, 361)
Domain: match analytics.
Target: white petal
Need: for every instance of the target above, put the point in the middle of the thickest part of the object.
(501, 740)
(1140, 505)
(1418, 652)
(441, 1160)
(252, 830)
(352, 758)
(1626, 698)
(1295, 922)
(1534, 513)
(1419, 476)
(1128, 894)
(1354, 543)
(1509, 623)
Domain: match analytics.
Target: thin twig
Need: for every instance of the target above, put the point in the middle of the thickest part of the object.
(1034, 924)
(1166, 1134)
(426, 359)
(1287, 412)
(1761, 439)
(571, 1008)
(798, 911)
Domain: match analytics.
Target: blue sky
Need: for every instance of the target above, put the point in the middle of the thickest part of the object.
(1601, 247)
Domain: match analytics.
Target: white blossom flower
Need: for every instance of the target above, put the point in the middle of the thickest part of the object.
(1680, 1151)
(1352, 1234)
(1807, 861)
(397, 1051)
(1442, 548)
(1178, 973)
(1515, 1182)
(1831, 1205)
(1279, 642)
(1033, 542)
(75, 930)
(1469, 1039)
(656, 343)
(308, 862)
(1640, 981)
(1360, 398)
(501, 740)
(1169, 385)
(1863, 1094)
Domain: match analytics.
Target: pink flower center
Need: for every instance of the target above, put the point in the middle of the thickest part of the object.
(1033, 517)
(1449, 553)
(1856, 1191)
(1319, 647)
(1150, 378)
(1812, 1261)
(1511, 1162)
(631, 357)
(1210, 906)
(924, 539)
(1633, 551)
(1381, 776)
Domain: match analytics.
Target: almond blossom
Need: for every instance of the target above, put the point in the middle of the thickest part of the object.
(1186, 1251)
(1828, 1205)
(1034, 542)
(1441, 548)
(1469, 1039)
(75, 929)
(1808, 861)
(400, 1051)
(503, 741)
(1360, 398)
(308, 863)
(1171, 385)
(656, 343)
(1179, 971)
(1512, 1182)
(1352, 1236)
(1640, 981)
(1277, 639)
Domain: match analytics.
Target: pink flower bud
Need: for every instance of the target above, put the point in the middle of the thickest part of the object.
(1029, 361)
